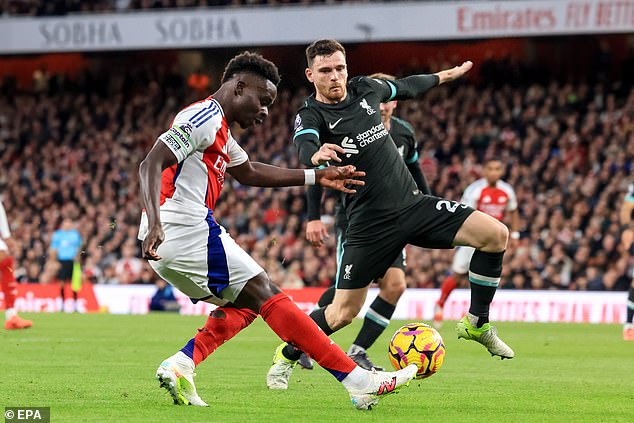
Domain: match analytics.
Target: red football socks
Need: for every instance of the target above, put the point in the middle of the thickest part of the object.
(222, 324)
(9, 285)
(297, 328)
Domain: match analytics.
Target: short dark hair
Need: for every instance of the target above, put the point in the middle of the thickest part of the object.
(322, 48)
(252, 63)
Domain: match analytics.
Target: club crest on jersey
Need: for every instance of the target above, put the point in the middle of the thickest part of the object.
(369, 110)
(346, 271)
(349, 147)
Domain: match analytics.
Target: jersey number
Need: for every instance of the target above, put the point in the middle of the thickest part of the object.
(451, 206)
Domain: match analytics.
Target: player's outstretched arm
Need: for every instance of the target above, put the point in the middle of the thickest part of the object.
(159, 158)
(454, 73)
(263, 175)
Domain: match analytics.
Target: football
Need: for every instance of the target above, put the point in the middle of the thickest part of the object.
(420, 344)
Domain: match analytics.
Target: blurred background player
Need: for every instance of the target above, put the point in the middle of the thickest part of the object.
(65, 245)
(392, 284)
(494, 197)
(7, 279)
(627, 240)
(181, 179)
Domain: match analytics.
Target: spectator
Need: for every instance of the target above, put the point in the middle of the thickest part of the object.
(164, 299)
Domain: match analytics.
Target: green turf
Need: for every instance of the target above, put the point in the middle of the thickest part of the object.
(100, 368)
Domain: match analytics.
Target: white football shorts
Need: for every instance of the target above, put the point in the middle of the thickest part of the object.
(203, 261)
(461, 260)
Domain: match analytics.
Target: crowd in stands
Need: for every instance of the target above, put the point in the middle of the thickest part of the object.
(71, 148)
(65, 7)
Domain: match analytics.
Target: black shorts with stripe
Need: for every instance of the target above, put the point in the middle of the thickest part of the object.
(371, 246)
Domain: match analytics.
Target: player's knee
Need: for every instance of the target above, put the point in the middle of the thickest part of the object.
(498, 237)
(256, 292)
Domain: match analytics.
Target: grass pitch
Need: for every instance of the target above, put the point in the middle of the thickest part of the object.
(100, 368)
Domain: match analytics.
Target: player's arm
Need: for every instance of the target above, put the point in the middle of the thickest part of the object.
(416, 85)
(5, 232)
(412, 163)
(263, 175)
(306, 137)
(515, 224)
(512, 208)
(419, 177)
(315, 229)
(158, 159)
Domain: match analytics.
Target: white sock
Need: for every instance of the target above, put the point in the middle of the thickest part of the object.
(10, 313)
(184, 361)
(357, 379)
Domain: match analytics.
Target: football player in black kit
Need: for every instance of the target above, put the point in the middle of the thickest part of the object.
(340, 123)
(392, 284)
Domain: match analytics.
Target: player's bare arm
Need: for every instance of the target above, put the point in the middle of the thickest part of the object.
(515, 228)
(263, 175)
(454, 73)
(158, 159)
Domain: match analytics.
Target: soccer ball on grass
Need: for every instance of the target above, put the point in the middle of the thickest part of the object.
(420, 344)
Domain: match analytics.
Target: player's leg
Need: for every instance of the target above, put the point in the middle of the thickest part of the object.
(359, 265)
(326, 298)
(226, 267)
(377, 318)
(628, 327)
(64, 277)
(295, 327)
(195, 260)
(459, 269)
(10, 290)
(438, 223)
(345, 306)
(489, 237)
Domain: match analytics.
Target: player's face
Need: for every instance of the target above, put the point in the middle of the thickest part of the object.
(329, 74)
(254, 97)
(493, 171)
(387, 109)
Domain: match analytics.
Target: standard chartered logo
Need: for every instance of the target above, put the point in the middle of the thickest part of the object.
(375, 133)
(349, 147)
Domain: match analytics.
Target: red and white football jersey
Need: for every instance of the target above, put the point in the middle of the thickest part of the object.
(493, 201)
(201, 141)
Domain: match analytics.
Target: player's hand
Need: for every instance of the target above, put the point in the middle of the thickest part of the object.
(326, 153)
(338, 177)
(154, 238)
(454, 73)
(316, 232)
